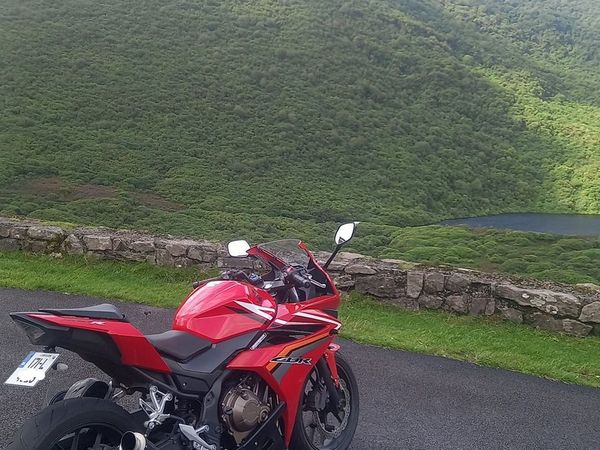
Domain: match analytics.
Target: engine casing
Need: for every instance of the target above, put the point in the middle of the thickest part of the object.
(243, 411)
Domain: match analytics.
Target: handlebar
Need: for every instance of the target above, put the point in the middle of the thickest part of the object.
(240, 275)
(296, 279)
(292, 275)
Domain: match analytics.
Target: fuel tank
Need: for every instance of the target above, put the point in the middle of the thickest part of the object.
(220, 310)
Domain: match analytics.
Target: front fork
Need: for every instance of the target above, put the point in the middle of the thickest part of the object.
(327, 367)
(331, 364)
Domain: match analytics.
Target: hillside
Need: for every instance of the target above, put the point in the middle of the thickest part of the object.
(268, 118)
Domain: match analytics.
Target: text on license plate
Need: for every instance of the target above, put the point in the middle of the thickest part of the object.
(33, 369)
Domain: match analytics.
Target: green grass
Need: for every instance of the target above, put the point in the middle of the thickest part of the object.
(483, 341)
(136, 282)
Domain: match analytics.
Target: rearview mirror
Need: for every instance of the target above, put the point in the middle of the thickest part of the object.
(345, 233)
(238, 249)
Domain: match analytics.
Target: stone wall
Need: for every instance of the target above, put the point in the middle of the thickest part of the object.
(569, 309)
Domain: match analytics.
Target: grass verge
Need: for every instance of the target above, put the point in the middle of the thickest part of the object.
(480, 340)
(485, 341)
(135, 282)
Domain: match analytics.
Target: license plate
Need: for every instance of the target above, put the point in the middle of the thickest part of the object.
(33, 369)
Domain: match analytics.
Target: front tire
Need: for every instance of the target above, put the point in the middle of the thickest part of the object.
(78, 423)
(326, 432)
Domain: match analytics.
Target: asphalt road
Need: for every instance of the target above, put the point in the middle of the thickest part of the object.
(408, 401)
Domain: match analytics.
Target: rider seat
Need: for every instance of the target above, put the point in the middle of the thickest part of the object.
(104, 311)
(178, 345)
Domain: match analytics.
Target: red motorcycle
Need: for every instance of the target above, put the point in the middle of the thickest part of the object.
(250, 363)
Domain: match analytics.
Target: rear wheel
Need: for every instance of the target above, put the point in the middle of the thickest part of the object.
(59, 396)
(75, 424)
(317, 426)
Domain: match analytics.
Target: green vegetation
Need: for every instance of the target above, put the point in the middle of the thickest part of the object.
(544, 256)
(271, 118)
(136, 282)
(483, 341)
(487, 342)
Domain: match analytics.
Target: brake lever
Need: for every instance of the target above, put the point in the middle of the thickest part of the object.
(316, 283)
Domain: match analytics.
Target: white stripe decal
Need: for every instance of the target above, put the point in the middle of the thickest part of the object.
(258, 310)
(283, 322)
(264, 308)
(321, 318)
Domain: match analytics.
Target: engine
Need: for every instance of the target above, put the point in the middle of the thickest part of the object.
(245, 406)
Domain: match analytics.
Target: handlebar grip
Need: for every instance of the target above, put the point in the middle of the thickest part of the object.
(298, 279)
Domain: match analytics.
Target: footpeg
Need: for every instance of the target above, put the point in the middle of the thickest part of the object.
(156, 409)
(192, 435)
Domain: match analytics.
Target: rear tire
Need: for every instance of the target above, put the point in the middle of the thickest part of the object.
(300, 438)
(58, 421)
(58, 397)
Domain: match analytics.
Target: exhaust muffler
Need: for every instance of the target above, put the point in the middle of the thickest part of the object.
(133, 441)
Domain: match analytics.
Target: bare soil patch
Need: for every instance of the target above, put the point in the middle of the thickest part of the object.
(66, 191)
(152, 200)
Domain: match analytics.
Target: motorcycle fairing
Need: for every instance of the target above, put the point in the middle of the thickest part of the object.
(308, 332)
(134, 348)
(286, 379)
(221, 310)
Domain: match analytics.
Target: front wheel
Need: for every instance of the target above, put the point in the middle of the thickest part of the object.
(75, 424)
(317, 426)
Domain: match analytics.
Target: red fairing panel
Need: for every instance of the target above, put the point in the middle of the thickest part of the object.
(307, 313)
(287, 380)
(221, 310)
(134, 347)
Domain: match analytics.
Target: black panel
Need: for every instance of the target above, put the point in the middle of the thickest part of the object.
(199, 373)
(193, 385)
(178, 345)
(103, 311)
(331, 312)
(82, 342)
(317, 274)
(218, 355)
(40, 332)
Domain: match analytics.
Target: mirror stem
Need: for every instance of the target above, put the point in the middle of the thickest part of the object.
(333, 255)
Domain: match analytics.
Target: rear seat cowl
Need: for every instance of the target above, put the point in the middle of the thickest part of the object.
(104, 311)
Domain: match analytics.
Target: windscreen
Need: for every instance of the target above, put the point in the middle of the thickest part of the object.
(287, 250)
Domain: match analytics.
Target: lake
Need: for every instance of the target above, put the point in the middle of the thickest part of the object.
(566, 224)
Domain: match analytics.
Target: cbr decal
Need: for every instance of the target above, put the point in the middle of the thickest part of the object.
(279, 369)
(292, 360)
